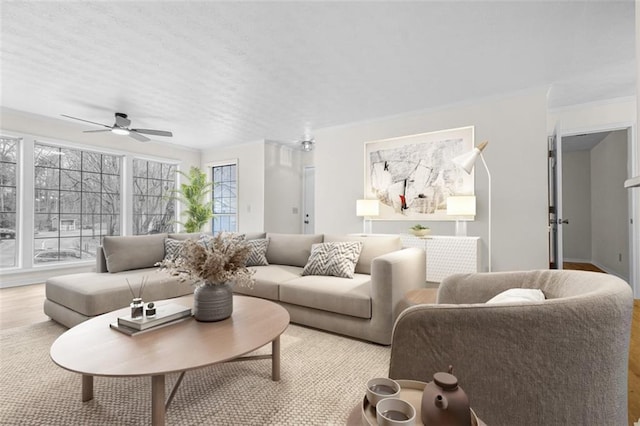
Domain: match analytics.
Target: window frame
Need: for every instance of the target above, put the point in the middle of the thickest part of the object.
(19, 142)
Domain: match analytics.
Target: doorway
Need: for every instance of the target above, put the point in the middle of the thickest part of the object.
(592, 204)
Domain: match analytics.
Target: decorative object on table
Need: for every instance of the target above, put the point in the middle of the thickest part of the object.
(367, 209)
(395, 412)
(463, 208)
(193, 195)
(444, 402)
(150, 310)
(410, 391)
(466, 162)
(164, 314)
(380, 388)
(137, 305)
(216, 263)
(412, 176)
(420, 230)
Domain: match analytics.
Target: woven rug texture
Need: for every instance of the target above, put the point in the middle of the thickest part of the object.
(323, 378)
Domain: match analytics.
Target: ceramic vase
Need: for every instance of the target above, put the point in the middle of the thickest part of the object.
(212, 302)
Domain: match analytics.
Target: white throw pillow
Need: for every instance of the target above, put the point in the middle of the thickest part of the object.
(514, 295)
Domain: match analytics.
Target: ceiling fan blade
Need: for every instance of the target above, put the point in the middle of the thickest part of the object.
(96, 131)
(137, 136)
(153, 132)
(122, 120)
(86, 121)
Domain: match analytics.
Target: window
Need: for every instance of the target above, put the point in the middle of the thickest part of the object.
(76, 202)
(224, 197)
(8, 201)
(153, 211)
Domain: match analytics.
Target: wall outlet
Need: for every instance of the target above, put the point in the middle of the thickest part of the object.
(619, 257)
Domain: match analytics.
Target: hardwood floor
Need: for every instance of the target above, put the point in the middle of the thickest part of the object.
(23, 306)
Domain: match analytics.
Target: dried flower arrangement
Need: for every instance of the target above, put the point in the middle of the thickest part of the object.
(212, 261)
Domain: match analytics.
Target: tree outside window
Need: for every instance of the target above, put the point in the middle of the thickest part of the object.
(8, 201)
(153, 210)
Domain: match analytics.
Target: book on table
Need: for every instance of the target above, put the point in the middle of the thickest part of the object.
(133, 332)
(164, 314)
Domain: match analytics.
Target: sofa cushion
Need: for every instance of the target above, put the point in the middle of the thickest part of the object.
(268, 279)
(336, 259)
(133, 252)
(290, 249)
(372, 247)
(92, 293)
(346, 296)
(254, 235)
(185, 236)
(172, 248)
(258, 253)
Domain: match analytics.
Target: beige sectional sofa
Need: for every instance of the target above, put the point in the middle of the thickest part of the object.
(364, 306)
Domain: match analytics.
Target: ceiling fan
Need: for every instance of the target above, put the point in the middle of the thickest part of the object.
(121, 127)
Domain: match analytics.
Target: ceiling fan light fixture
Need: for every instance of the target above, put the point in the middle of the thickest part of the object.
(120, 131)
(307, 145)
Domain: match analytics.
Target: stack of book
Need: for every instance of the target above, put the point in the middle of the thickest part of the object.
(165, 315)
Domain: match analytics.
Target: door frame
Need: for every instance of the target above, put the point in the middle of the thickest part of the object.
(633, 212)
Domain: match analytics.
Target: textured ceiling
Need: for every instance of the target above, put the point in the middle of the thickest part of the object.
(218, 73)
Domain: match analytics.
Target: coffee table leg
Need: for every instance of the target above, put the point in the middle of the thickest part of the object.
(87, 388)
(157, 400)
(275, 359)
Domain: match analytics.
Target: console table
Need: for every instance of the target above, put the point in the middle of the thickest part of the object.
(447, 255)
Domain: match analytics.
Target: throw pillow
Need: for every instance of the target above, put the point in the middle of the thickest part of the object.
(336, 259)
(172, 249)
(515, 295)
(258, 253)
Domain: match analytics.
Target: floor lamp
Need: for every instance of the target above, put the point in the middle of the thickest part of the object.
(367, 209)
(466, 162)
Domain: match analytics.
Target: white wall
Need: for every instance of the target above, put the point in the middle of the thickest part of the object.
(283, 189)
(251, 195)
(515, 127)
(576, 205)
(610, 244)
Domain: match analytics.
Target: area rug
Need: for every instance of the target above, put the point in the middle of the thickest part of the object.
(322, 379)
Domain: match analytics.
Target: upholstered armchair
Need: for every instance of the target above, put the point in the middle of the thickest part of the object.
(560, 361)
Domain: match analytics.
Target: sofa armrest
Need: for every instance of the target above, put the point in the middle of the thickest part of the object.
(392, 275)
(101, 261)
(479, 287)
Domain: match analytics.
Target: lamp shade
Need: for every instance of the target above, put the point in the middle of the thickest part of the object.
(468, 159)
(461, 205)
(367, 208)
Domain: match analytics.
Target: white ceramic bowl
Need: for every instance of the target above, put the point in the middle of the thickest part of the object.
(380, 388)
(395, 412)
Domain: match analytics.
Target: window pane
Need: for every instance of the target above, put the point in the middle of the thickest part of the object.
(169, 172)
(70, 202)
(140, 186)
(8, 199)
(154, 187)
(7, 174)
(110, 164)
(91, 162)
(69, 225)
(47, 178)
(224, 199)
(110, 203)
(111, 183)
(46, 156)
(91, 202)
(154, 170)
(91, 182)
(71, 159)
(7, 240)
(70, 179)
(139, 168)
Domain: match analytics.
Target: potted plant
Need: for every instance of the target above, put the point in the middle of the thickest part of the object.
(193, 195)
(420, 230)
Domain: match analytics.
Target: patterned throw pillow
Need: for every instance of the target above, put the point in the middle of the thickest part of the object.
(172, 249)
(258, 254)
(336, 259)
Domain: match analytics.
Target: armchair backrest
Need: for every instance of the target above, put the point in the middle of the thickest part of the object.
(560, 361)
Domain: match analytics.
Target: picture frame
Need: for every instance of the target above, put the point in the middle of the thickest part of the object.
(412, 176)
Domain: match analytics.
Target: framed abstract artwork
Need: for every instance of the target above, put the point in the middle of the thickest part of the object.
(412, 176)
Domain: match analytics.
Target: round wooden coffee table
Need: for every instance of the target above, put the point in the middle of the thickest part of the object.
(93, 349)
